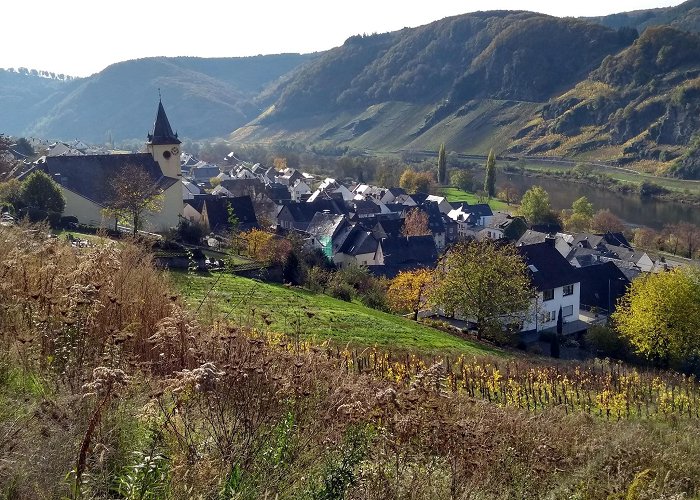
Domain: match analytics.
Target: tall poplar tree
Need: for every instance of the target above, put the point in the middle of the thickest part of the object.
(442, 165)
(490, 180)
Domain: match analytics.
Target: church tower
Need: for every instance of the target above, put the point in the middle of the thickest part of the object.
(164, 145)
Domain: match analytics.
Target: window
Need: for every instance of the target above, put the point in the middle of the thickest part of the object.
(568, 290)
(548, 294)
(567, 311)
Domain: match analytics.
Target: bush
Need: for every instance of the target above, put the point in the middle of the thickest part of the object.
(341, 291)
(189, 232)
(607, 342)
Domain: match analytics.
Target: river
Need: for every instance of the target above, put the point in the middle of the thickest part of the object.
(629, 207)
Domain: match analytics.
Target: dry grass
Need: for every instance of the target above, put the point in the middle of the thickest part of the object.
(228, 412)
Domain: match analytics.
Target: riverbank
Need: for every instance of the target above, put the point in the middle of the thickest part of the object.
(624, 181)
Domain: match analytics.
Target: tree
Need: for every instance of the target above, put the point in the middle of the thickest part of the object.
(688, 237)
(515, 229)
(483, 282)
(660, 315)
(133, 194)
(463, 180)
(407, 291)
(508, 193)
(583, 207)
(442, 165)
(554, 346)
(490, 180)
(535, 206)
(24, 147)
(416, 182)
(258, 244)
(604, 221)
(6, 159)
(647, 238)
(40, 192)
(415, 223)
(214, 181)
(577, 223)
(11, 193)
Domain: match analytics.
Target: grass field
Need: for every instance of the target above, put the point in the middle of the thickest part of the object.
(317, 316)
(455, 194)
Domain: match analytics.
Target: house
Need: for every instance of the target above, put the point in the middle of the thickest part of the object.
(203, 171)
(470, 218)
(359, 247)
(390, 195)
(331, 186)
(404, 253)
(85, 179)
(189, 190)
(531, 237)
(243, 187)
(298, 215)
(443, 205)
(602, 286)
(497, 228)
(362, 209)
(289, 177)
(325, 231)
(299, 190)
(557, 285)
(215, 213)
(436, 226)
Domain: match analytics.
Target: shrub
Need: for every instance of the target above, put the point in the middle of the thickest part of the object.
(606, 342)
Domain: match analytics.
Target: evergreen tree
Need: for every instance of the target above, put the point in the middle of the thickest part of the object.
(40, 192)
(442, 165)
(490, 180)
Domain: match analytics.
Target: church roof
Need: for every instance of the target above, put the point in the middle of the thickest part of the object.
(162, 131)
(90, 175)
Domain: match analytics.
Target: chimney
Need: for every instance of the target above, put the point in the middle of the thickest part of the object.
(550, 240)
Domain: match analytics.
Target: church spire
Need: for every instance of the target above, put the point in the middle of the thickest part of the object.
(162, 132)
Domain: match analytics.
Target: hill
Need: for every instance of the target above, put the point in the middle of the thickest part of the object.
(685, 16)
(458, 80)
(642, 104)
(206, 97)
(318, 317)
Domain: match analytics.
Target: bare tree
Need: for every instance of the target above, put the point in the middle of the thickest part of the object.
(133, 194)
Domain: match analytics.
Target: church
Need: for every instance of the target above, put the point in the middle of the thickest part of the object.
(85, 180)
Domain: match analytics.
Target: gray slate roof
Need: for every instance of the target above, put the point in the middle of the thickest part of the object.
(90, 175)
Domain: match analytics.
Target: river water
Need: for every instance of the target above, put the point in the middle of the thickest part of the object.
(628, 207)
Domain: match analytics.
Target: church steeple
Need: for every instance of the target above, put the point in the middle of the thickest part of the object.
(162, 131)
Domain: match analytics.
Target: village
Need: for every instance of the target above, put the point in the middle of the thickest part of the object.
(578, 276)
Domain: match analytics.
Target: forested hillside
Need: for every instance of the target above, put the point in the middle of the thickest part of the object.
(685, 16)
(205, 97)
(641, 104)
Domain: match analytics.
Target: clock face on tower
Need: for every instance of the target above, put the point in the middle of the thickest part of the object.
(174, 150)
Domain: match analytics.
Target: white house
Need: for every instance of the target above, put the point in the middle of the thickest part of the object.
(558, 287)
(298, 190)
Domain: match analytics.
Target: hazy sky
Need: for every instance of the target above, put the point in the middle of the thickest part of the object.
(81, 37)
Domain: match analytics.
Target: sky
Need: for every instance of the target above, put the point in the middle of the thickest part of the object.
(82, 37)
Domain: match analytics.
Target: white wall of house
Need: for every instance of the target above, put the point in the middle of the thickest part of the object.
(543, 313)
(86, 211)
(191, 214)
(298, 190)
(490, 233)
(363, 259)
